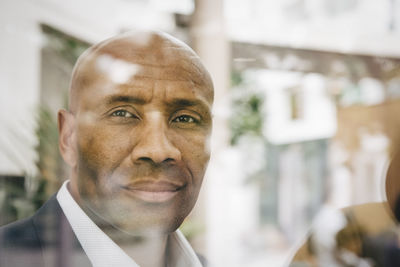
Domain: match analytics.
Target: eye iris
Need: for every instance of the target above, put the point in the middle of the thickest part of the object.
(185, 119)
(120, 113)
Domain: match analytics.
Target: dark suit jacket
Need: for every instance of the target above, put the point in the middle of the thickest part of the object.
(45, 239)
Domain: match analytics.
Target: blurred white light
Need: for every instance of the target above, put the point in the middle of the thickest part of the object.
(119, 71)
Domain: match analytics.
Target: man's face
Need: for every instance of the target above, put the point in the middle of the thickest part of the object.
(142, 134)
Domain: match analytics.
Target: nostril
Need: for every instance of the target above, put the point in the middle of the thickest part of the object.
(145, 159)
(169, 160)
(149, 160)
(155, 147)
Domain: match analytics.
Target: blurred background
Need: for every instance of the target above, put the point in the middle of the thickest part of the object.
(307, 110)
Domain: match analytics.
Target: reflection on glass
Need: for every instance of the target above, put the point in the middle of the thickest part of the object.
(361, 235)
(135, 139)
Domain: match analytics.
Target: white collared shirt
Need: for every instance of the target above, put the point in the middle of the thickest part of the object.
(104, 252)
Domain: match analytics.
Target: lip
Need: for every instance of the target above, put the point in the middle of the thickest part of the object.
(154, 192)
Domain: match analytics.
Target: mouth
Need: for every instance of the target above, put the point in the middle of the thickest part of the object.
(154, 192)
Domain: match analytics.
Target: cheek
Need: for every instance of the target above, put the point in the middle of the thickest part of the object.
(100, 151)
(195, 153)
(99, 144)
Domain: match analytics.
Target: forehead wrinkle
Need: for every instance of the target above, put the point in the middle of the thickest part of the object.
(125, 98)
(176, 68)
(140, 92)
(186, 94)
(146, 75)
(161, 54)
(155, 79)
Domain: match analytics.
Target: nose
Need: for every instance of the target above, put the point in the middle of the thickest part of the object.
(154, 144)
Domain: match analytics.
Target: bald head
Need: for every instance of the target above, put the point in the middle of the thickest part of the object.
(123, 59)
(137, 134)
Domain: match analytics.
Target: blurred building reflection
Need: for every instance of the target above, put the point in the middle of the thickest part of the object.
(312, 109)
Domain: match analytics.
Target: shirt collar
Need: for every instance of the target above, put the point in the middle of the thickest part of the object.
(104, 252)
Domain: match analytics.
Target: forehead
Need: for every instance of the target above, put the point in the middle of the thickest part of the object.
(116, 80)
(145, 90)
(143, 68)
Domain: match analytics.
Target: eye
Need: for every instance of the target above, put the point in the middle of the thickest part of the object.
(185, 119)
(122, 113)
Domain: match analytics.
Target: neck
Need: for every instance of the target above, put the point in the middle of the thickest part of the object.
(147, 250)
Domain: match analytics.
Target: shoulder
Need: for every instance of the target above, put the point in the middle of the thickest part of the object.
(21, 242)
(20, 245)
(19, 233)
(27, 232)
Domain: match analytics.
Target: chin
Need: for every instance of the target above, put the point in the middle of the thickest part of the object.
(140, 219)
(150, 225)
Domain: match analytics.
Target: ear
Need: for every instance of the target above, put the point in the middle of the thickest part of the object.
(67, 137)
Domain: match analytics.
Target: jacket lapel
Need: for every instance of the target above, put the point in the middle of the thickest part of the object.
(59, 245)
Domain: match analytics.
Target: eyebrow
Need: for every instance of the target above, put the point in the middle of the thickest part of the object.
(125, 98)
(186, 102)
(190, 103)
